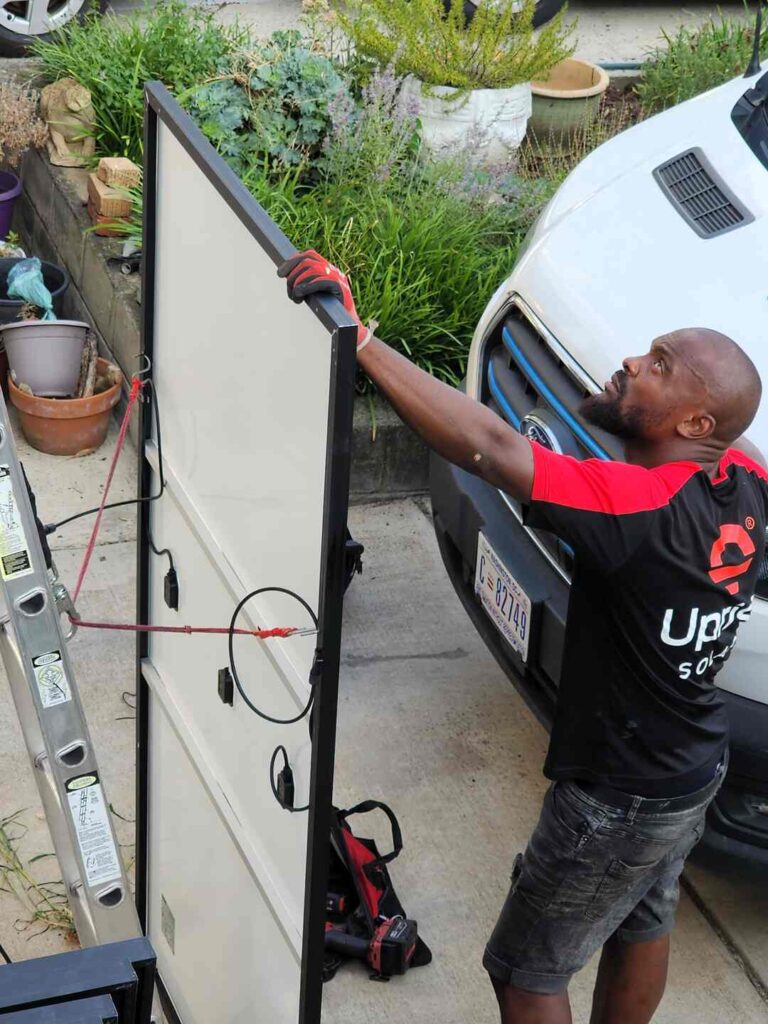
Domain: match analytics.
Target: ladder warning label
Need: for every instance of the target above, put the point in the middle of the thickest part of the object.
(15, 559)
(94, 833)
(52, 682)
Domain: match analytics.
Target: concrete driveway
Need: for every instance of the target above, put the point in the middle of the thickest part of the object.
(623, 30)
(427, 723)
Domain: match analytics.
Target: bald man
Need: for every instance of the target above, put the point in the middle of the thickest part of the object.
(668, 545)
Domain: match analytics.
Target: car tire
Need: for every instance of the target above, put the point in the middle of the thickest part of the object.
(546, 10)
(16, 44)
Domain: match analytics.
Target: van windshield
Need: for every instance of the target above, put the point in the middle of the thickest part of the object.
(750, 115)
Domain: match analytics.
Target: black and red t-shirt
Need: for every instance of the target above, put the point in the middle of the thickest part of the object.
(666, 566)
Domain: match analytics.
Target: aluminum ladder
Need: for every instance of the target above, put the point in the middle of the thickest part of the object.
(33, 647)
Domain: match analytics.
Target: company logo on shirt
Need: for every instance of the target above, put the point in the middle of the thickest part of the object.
(731, 533)
(702, 633)
(699, 633)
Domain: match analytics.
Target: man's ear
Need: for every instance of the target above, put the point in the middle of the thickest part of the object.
(697, 426)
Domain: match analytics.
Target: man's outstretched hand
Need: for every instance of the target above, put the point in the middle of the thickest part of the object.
(458, 428)
(308, 273)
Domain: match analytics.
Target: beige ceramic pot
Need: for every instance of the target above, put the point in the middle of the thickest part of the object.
(567, 100)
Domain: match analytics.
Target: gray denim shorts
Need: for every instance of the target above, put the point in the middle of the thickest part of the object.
(591, 871)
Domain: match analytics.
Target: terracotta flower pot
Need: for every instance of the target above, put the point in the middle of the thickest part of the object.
(65, 426)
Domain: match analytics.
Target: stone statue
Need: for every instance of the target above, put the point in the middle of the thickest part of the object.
(67, 109)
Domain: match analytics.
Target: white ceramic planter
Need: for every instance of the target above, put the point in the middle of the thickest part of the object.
(495, 118)
(45, 354)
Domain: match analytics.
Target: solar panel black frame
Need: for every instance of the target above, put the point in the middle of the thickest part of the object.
(124, 971)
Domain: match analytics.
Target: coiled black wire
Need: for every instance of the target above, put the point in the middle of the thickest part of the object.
(286, 764)
(233, 667)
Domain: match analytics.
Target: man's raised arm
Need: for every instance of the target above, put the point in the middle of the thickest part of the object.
(459, 429)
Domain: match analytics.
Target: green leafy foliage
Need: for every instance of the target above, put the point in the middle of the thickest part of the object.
(695, 60)
(221, 110)
(275, 104)
(425, 244)
(498, 49)
(333, 155)
(551, 159)
(292, 89)
(43, 900)
(112, 56)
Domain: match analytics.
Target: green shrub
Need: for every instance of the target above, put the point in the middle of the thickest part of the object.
(497, 50)
(276, 103)
(425, 245)
(696, 60)
(221, 110)
(178, 45)
(551, 159)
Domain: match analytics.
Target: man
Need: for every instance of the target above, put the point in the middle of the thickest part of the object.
(667, 546)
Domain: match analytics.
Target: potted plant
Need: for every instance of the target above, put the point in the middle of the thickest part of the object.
(14, 306)
(468, 75)
(45, 354)
(55, 279)
(10, 248)
(69, 426)
(567, 99)
(20, 129)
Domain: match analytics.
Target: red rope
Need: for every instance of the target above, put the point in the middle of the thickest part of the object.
(261, 634)
(136, 386)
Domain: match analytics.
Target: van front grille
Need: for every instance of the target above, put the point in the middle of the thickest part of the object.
(525, 377)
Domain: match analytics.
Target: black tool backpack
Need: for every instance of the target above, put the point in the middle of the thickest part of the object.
(364, 917)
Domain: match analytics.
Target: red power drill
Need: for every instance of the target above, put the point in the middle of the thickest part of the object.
(389, 952)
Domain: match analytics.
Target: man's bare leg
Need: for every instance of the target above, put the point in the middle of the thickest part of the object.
(519, 1007)
(630, 981)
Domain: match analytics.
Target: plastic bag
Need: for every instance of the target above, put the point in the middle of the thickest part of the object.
(25, 282)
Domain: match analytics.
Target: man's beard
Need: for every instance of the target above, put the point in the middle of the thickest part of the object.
(604, 410)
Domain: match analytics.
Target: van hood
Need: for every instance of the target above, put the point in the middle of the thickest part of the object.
(612, 264)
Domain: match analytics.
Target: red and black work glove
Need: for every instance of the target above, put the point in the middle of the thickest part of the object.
(308, 273)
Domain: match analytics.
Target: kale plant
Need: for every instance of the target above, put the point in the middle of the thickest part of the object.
(222, 111)
(275, 105)
(292, 89)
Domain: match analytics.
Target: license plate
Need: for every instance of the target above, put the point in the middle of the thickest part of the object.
(507, 604)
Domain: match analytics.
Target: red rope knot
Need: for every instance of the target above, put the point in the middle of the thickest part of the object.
(136, 385)
(281, 631)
